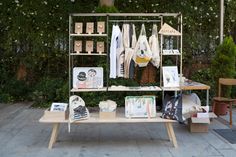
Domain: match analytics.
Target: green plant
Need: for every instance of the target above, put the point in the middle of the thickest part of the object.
(223, 64)
(49, 90)
(204, 76)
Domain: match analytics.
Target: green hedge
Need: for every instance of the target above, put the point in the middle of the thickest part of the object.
(35, 33)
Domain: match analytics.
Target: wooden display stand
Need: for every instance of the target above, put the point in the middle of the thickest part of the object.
(120, 116)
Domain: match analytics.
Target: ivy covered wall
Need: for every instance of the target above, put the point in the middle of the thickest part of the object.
(34, 39)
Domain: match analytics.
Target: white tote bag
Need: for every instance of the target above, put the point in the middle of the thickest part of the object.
(142, 51)
(154, 45)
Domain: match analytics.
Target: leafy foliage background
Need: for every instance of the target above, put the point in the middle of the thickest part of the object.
(35, 34)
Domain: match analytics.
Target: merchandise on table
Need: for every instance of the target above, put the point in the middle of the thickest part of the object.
(172, 107)
(140, 106)
(78, 111)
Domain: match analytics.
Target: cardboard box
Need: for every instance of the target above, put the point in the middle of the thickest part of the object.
(56, 115)
(198, 125)
(107, 115)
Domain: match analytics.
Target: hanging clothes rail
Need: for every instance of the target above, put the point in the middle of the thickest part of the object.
(129, 21)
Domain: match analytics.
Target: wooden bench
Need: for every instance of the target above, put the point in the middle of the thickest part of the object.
(120, 118)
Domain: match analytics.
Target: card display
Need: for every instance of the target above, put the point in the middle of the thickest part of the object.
(89, 27)
(78, 46)
(89, 46)
(78, 28)
(100, 47)
(101, 27)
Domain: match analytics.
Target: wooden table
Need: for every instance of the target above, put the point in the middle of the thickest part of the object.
(94, 118)
(189, 86)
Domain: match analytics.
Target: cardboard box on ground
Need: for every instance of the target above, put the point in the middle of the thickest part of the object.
(200, 123)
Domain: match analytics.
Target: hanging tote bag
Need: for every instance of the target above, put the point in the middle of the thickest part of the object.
(154, 45)
(142, 51)
(172, 107)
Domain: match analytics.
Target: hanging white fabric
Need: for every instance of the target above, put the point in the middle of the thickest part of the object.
(142, 51)
(114, 43)
(129, 49)
(120, 55)
(154, 45)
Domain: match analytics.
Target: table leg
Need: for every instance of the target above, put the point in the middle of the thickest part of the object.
(168, 131)
(207, 97)
(172, 133)
(230, 115)
(53, 135)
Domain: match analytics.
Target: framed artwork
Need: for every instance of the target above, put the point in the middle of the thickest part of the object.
(140, 106)
(170, 76)
(59, 107)
(87, 77)
(89, 27)
(78, 28)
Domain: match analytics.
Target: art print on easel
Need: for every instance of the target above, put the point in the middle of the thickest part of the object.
(170, 76)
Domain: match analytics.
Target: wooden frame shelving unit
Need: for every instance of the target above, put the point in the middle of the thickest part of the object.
(111, 18)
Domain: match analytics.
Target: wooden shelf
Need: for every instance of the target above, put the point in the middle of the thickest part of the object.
(170, 88)
(87, 54)
(120, 118)
(89, 90)
(120, 88)
(88, 35)
(174, 54)
(135, 89)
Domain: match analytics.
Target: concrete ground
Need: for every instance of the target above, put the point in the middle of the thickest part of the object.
(21, 135)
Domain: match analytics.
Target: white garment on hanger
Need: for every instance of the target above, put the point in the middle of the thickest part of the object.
(120, 55)
(113, 49)
(154, 45)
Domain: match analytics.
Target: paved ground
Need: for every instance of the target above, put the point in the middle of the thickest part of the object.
(21, 135)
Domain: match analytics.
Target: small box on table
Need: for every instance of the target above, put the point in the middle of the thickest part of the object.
(56, 115)
(107, 115)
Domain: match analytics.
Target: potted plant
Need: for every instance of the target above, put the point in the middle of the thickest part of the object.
(223, 66)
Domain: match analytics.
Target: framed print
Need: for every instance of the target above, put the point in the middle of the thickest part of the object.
(100, 47)
(140, 106)
(87, 77)
(78, 46)
(89, 27)
(89, 46)
(59, 107)
(78, 28)
(170, 76)
(101, 27)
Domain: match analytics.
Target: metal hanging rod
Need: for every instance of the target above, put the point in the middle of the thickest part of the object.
(127, 14)
(128, 21)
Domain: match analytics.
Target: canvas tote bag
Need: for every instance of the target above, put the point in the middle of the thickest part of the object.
(142, 51)
(154, 44)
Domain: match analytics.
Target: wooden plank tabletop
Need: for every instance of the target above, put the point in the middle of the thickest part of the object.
(120, 118)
